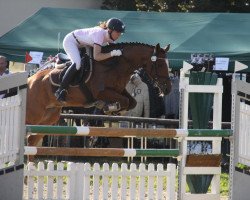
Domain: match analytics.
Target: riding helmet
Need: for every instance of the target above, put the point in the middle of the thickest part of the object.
(116, 24)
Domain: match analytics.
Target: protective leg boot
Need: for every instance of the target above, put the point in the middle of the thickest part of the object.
(67, 78)
(113, 107)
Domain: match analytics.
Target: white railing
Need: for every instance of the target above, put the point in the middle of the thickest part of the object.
(12, 119)
(244, 136)
(239, 148)
(76, 181)
(10, 113)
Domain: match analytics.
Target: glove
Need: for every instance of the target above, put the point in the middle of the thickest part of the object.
(116, 53)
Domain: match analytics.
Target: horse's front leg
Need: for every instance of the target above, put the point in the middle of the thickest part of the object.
(111, 96)
(132, 101)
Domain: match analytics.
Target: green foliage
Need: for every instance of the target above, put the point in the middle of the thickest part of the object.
(119, 5)
(224, 184)
(179, 5)
(242, 166)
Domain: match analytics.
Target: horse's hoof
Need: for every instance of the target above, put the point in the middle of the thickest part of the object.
(98, 104)
(114, 107)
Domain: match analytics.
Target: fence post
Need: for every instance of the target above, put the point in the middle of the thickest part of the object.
(171, 168)
(71, 181)
(79, 172)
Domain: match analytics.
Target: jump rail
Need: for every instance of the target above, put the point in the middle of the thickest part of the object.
(101, 152)
(126, 132)
(156, 121)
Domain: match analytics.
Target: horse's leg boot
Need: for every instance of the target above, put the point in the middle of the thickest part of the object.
(67, 78)
(113, 107)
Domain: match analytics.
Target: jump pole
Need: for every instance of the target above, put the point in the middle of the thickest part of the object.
(125, 132)
(102, 152)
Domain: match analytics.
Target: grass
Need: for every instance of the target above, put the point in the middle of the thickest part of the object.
(224, 184)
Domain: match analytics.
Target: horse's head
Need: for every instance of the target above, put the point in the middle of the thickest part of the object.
(156, 66)
(152, 58)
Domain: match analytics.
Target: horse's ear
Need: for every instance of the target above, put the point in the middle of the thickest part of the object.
(167, 48)
(157, 47)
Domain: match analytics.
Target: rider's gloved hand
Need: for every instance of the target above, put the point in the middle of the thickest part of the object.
(116, 53)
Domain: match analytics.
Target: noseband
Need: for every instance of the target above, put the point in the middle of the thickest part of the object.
(154, 67)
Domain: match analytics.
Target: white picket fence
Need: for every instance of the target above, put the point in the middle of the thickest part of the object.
(77, 181)
(12, 122)
(10, 113)
(244, 137)
(12, 132)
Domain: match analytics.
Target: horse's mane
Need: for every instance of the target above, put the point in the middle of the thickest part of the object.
(108, 48)
(105, 49)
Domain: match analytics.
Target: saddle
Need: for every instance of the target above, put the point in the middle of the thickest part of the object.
(62, 64)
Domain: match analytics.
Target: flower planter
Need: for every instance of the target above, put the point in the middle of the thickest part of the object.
(208, 160)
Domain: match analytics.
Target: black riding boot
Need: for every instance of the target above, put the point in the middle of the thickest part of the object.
(67, 78)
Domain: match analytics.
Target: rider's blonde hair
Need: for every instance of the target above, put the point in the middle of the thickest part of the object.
(4, 58)
(103, 24)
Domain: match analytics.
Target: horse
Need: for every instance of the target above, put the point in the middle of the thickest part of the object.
(107, 83)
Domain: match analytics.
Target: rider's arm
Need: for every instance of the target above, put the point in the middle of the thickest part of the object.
(98, 55)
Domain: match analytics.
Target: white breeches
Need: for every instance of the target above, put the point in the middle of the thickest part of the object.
(71, 48)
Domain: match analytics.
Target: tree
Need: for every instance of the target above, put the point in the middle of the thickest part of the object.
(210, 6)
(241, 6)
(179, 5)
(119, 5)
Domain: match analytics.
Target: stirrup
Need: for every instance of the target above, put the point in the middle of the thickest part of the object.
(61, 95)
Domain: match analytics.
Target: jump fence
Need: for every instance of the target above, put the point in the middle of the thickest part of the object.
(180, 134)
(115, 132)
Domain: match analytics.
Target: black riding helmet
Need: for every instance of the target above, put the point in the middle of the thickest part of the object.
(116, 24)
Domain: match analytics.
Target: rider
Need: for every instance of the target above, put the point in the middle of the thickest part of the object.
(106, 32)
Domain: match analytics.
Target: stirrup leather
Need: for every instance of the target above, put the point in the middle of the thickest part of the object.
(61, 95)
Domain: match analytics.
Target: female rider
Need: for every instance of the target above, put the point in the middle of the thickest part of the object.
(106, 32)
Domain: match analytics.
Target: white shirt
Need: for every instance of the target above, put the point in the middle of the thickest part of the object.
(85, 37)
(91, 36)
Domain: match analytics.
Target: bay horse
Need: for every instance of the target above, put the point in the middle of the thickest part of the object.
(107, 83)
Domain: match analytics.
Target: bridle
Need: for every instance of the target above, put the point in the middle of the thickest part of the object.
(155, 76)
(154, 67)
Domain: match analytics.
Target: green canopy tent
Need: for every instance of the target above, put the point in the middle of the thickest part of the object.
(223, 34)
